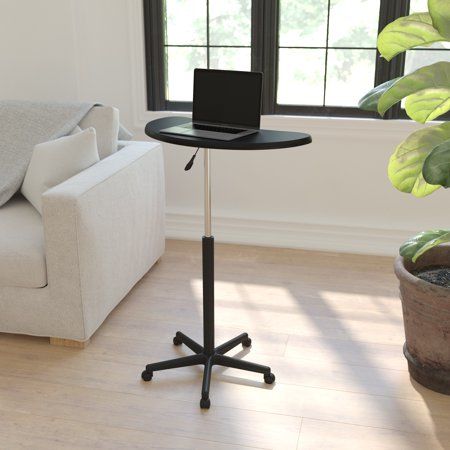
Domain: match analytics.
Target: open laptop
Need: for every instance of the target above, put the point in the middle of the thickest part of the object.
(226, 106)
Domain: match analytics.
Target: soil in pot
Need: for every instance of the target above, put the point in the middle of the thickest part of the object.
(439, 275)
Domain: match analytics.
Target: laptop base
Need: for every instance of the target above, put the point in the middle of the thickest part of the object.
(189, 129)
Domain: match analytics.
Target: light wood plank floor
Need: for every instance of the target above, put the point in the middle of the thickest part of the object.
(329, 325)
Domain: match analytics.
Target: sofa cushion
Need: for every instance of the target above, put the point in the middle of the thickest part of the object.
(22, 252)
(56, 161)
(105, 120)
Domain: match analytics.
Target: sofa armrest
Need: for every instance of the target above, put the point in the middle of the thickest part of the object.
(104, 229)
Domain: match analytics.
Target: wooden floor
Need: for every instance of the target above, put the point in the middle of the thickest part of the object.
(329, 325)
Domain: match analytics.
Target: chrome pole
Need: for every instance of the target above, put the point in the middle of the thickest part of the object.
(208, 264)
(207, 192)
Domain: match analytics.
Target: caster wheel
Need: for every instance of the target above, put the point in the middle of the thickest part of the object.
(269, 378)
(177, 340)
(205, 403)
(247, 342)
(146, 375)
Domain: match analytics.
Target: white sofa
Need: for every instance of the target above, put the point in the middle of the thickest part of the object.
(62, 274)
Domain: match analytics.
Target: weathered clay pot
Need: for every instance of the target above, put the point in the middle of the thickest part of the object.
(426, 315)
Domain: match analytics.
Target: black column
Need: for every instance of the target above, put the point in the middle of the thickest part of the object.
(208, 293)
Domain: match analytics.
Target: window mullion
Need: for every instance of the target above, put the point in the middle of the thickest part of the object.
(257, 35)
(265, 48)
(266, 58)
(154, 49)
(384, 70)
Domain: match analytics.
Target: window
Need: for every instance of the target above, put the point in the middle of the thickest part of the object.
(215, 34)
(318, 56)
(325, 59)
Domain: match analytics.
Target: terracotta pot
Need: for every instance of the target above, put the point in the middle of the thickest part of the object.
(426, 315)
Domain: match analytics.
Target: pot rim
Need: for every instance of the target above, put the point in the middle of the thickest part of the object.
(403, 274)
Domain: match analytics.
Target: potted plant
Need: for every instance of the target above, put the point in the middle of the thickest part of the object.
(419, 166)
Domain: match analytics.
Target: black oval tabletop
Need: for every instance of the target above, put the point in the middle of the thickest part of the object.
(263, 140)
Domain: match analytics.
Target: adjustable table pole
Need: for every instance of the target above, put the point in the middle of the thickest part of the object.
(208, 263)
(207, 191)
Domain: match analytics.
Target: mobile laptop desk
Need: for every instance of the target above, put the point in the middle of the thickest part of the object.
(208, 354)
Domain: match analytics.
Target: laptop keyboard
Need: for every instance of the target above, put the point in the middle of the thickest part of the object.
(215, 128)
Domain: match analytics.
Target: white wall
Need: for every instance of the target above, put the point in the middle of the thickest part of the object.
(332, 194)
(37, 50)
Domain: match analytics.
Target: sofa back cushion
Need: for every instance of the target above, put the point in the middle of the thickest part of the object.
(55, 161)
(105, 120)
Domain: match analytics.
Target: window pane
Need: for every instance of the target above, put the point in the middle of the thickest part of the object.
(229, 58)
(230, 22)
(350, 74)
(181, 62)
(419, 58)
(418, 6)
(303, 23)
(186, 22)
(354, 23)
(301, 76)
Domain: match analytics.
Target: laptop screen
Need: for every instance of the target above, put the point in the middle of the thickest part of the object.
(227, 97)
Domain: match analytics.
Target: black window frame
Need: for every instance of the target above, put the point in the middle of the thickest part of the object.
(264, 58)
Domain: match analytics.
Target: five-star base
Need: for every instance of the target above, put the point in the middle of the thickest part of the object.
(209, 359)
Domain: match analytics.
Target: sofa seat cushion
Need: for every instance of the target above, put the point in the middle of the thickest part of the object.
(22, 251)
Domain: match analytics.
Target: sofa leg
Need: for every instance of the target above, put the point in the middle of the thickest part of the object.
(69, 342)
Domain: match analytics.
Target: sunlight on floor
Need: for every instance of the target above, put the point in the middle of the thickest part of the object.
(329, 314)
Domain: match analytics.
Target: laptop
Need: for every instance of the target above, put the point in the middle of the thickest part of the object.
(226, 106)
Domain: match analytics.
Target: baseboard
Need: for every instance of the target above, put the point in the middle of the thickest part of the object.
(332, 238)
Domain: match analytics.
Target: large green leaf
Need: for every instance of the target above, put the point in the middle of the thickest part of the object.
(370, 101)
(435, 75)
(428, 104)
(405, 165)
(436, 167)
(415, 247)
(440, 15)
(407, 32)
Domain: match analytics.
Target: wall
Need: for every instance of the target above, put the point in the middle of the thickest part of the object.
(330, 195)
(37, 50)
